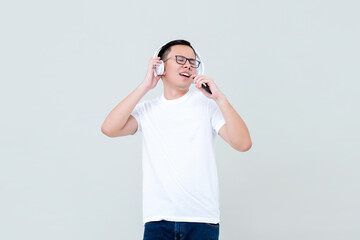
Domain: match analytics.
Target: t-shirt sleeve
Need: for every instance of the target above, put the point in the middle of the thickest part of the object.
(217, 119)
(137, 114)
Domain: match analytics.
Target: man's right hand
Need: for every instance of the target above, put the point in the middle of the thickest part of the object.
(150, 80)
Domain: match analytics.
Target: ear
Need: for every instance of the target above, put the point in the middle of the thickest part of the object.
(163, 75)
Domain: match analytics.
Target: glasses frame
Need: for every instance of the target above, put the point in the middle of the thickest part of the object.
(197, 62)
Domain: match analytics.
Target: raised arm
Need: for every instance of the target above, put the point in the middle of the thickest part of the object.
(234, 131)
(119, 121)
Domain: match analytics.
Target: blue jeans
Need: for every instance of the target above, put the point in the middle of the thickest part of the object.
(169, 230)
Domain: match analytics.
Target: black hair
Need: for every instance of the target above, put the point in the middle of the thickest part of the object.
(166, 48)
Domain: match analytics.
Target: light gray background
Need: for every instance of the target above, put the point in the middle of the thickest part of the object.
(290, 69)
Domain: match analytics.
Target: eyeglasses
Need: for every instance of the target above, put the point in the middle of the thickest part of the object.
(182, 61)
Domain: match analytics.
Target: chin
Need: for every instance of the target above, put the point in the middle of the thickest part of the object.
(182, 86)
(180, 83)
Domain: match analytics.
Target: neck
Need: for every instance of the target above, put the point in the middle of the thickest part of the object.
(171, 93)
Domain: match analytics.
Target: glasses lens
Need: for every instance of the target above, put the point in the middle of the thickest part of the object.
(180, 59)
(194, 63)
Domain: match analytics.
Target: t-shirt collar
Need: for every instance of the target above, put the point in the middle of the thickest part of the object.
(177, 100)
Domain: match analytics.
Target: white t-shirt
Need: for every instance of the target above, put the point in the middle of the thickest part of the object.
(180, 181)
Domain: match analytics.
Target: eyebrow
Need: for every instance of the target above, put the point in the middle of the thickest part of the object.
(186, 57)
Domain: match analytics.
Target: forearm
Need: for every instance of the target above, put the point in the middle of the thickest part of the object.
(118, 117)
(235, 126)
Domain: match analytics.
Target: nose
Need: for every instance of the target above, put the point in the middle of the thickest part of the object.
(187, 64)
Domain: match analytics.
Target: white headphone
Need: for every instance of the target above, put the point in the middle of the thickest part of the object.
(159, 70)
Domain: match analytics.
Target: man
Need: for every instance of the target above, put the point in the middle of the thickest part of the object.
(180, 183)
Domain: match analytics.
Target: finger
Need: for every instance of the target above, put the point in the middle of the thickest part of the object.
(194, 76)
(206, 79)
(200, 79)
(153, 59)
(157, 63)
(203, 81)
(202, 89)
(197, 78)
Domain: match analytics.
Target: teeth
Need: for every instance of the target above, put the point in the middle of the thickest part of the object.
(185, 74)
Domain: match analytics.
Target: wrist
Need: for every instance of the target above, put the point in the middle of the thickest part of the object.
(142, 87)
(220, 99)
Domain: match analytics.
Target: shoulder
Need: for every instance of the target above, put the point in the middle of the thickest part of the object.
(150, 101)
(147, 104)
(204, 102)
(199, 97)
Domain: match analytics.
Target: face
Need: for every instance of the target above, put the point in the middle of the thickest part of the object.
(173, 71)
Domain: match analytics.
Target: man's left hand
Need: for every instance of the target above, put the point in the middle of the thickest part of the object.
(200, 79)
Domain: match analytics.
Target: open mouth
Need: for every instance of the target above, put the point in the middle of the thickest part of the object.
(185, 75)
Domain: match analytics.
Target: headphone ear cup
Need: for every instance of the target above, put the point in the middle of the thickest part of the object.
(200, 69)
(159, 70)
